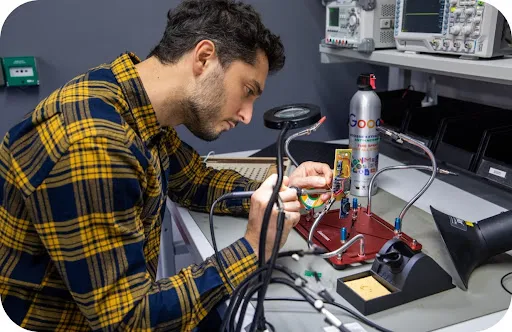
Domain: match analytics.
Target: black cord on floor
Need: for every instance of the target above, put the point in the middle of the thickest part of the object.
(503, 285)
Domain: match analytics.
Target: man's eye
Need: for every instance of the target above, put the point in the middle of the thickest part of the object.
(250, 92)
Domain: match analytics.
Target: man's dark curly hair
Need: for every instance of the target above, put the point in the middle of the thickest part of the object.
(234, 27)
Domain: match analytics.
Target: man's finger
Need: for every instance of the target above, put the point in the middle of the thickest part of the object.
(270, 181)
(325, 197)
(310, 182)
(293, 206)
(288, 195)
(292, 218)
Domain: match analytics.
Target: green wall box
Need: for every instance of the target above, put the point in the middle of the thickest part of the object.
(2, 79)
(20, 71)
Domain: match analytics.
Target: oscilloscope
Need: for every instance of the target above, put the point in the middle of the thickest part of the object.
(469, 28)
(364, 25)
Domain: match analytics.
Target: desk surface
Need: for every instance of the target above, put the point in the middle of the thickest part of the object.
(448, 308)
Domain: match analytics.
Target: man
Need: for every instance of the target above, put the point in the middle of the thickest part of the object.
(85, 176)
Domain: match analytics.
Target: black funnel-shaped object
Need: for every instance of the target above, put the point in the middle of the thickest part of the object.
(471, 244)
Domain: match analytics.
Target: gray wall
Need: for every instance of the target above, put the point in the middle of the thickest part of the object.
(70, 36)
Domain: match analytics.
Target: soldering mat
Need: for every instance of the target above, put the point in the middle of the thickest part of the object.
(485, 294)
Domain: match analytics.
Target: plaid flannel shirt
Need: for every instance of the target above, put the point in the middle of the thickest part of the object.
(83, 182)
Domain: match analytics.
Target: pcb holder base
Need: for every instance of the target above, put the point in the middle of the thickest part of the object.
(376, 233)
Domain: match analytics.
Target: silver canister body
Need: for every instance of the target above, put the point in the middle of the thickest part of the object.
(364, 139)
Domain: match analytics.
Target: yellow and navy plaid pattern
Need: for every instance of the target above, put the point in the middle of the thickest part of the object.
(83, 184)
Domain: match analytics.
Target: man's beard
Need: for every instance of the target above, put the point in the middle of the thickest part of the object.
(203, 109)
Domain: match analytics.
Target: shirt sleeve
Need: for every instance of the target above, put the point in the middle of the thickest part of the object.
(87, 214)
(195, 186)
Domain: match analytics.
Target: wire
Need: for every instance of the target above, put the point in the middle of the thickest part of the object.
(271, 327)
(208, 156)
(264, 229)
(340, 306)
(283, 281)
(503, 285)
(233, 195)
(239, 293)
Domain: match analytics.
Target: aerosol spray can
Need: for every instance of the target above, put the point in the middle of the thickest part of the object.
(364, 118)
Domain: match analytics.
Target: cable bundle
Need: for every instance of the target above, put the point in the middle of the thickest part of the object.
(259, 280)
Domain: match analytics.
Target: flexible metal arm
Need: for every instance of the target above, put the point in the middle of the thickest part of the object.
(300, 133)
(397, 167)
(343, 248)
(327, 207)
(400, 138)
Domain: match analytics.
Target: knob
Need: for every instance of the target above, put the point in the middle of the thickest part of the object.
(470, 11)
(477, 19)
(458, 12)
(467, 30)
(352, 21)
(455, 30)
(453, 2)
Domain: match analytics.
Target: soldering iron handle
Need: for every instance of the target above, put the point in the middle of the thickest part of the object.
(238, 194)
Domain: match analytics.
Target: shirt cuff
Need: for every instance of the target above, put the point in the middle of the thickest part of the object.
(239, 261)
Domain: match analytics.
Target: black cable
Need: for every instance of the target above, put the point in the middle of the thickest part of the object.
(283, 281)
(272, 329)
(360, 317)
(503, 285)
(264, 229)
(232, 195)
(242, 288)
(273, 197)
(243, 309)
(340, 306)
(247, 299)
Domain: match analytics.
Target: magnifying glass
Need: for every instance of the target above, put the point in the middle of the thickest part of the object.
(296, 115)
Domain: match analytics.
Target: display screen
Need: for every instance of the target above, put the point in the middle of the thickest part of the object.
(334, 17)
(424, 16)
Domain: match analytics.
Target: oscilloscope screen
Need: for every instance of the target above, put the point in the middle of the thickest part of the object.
(425, 16)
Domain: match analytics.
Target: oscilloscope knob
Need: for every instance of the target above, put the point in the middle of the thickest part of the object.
(455, 30)
(458, 11)
(467, 30)
(469, 11)
(454, 2)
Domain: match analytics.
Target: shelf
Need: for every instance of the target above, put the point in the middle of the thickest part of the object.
(495, 71)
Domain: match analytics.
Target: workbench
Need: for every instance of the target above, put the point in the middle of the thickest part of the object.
(482, 306)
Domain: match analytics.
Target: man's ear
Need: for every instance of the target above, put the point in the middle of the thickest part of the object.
(204, 55)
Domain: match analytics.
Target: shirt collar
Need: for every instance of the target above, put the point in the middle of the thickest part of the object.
(140, 113)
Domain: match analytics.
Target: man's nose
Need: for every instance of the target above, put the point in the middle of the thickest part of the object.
(246, 113)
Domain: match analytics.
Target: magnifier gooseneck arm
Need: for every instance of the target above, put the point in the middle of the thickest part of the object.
(300, 133)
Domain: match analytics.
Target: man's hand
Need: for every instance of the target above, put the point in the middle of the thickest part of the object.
(259, 202)
(312, 175)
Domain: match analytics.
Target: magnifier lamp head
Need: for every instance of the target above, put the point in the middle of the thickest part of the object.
(297, 115)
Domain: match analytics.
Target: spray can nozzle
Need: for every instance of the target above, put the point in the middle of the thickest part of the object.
(366, 81)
